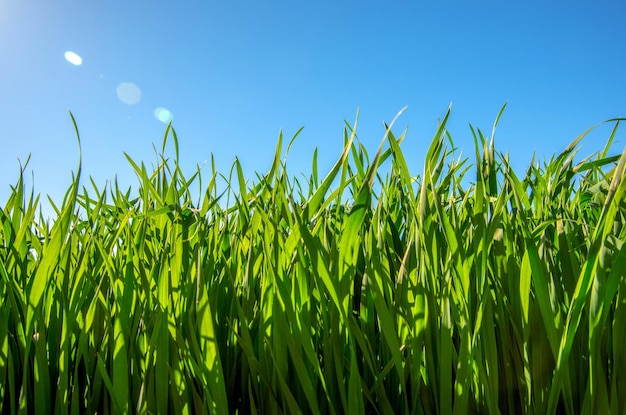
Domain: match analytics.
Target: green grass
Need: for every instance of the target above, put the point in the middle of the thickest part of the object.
(467, 288)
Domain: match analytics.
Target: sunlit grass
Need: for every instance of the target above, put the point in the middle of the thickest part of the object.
(365, 291)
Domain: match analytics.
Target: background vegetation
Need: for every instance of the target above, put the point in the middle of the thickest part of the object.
(464, 289)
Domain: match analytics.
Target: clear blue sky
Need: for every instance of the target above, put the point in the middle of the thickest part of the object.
(234, 73)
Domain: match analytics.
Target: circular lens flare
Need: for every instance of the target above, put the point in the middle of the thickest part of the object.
(128, 93)
(163, 114)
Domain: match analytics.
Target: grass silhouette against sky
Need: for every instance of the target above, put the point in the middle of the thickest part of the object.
(233, 74)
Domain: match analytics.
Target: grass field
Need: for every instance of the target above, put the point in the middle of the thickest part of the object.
(466, 288)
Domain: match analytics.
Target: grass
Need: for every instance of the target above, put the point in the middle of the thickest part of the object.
(366, 291)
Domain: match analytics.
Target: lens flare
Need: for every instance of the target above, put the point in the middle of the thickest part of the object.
(128, 93)
(73, 58)
(163, 114)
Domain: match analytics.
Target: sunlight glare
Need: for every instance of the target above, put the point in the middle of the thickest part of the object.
(73, 58)
(128, 93)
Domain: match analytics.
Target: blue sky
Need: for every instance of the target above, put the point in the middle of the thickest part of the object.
(233, 74)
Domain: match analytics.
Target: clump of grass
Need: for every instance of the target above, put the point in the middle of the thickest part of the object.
(362, 292)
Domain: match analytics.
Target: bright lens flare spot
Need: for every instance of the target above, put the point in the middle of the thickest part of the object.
(163, 114)
(73, 58)
(128, 93)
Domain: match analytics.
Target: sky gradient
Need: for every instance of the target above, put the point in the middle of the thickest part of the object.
(232, 75)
